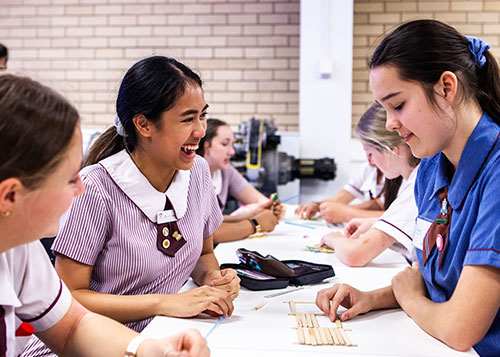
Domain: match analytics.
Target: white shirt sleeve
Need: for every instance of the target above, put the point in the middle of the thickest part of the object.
(398, 220)
(44, 297)
(364, 184)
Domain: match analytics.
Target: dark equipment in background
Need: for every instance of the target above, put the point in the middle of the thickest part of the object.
(258, 159)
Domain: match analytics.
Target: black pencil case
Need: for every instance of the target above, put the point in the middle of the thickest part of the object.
(265, 273)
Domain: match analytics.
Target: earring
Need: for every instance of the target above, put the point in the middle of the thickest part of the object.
(5, 214)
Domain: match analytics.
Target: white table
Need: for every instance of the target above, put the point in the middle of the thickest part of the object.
(269, 331)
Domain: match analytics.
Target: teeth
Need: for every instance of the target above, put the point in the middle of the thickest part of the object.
(190, 147)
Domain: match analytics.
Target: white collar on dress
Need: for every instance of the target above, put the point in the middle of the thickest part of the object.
(136, 186)
(217, 181)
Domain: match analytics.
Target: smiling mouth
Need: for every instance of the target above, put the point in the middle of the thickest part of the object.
(189, 149)
(407, 137)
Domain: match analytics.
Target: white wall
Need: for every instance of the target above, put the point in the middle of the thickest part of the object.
(326, 40)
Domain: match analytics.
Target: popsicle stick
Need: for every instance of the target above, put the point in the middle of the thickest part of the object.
(317, 334)
(339, 336)
(304, 320)
(293, 308)
(327, 335)
(260, 306)
(300, 336)
(334, 336)
(312, 336)
(345, 337)
(307, 337)
(309, 320)
(314, 321)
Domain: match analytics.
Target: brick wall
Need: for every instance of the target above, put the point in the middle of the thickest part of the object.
(372, 18)
(246, 50)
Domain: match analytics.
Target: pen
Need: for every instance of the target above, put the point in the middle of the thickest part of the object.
(299, 225)
(214, 326)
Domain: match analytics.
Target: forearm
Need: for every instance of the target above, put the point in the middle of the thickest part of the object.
(356, 211)
(372, 205)
(82, 333)
(206, 264)
(122, 308)
(232, 231)
(443, 321)
(383, 299)
(91, 337)
(360, 251)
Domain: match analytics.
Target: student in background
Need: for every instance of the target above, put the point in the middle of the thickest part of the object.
(4, 57)
(40, 155)
(365, 239)
(260, 213)
(441, 91)
(145, 222)
(366, 186)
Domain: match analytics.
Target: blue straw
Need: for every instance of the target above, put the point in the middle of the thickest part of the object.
(289, 199)
(299, 225)
(214, 326)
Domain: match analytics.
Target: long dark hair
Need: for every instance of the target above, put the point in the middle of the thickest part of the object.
(36, 127)
(212, 126)
(371, 130)
(150, 87)
(422, 50)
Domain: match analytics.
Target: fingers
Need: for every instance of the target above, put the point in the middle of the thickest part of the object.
(222, 277)
(309, 212)
(323, 298)
(231, 284)
(193, 343)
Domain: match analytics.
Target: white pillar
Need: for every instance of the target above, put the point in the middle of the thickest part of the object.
(325, 94)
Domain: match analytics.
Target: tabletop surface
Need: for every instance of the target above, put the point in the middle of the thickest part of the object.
(270, 329)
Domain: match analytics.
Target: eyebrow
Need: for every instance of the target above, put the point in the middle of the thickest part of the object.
(389, 96)
(193, 111)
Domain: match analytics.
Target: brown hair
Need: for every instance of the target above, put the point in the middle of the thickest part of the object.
(36, 127)
(212, 127)
(371, 130)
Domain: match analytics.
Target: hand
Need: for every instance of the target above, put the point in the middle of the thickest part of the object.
(358, 226)
(333, 212)
(408, 284)
(184, 344)
(278, 209)
(329, 239)
(267, 220)
(357, 302)
(195, 301)
(226, 280)
(307, 211)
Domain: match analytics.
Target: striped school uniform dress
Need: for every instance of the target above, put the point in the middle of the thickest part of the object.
(113, 227)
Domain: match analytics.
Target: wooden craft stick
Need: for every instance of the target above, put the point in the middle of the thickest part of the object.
(339, 336)
(338, 323)
(314, 321)
(293, 308)
(327, 335)
(300, 336)
(307, 337)
(299, 322)
(260, 306)
(309, 320)
(334, 336)
(345, 337)
(304, 320)
(312, 336)
(317, 334)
